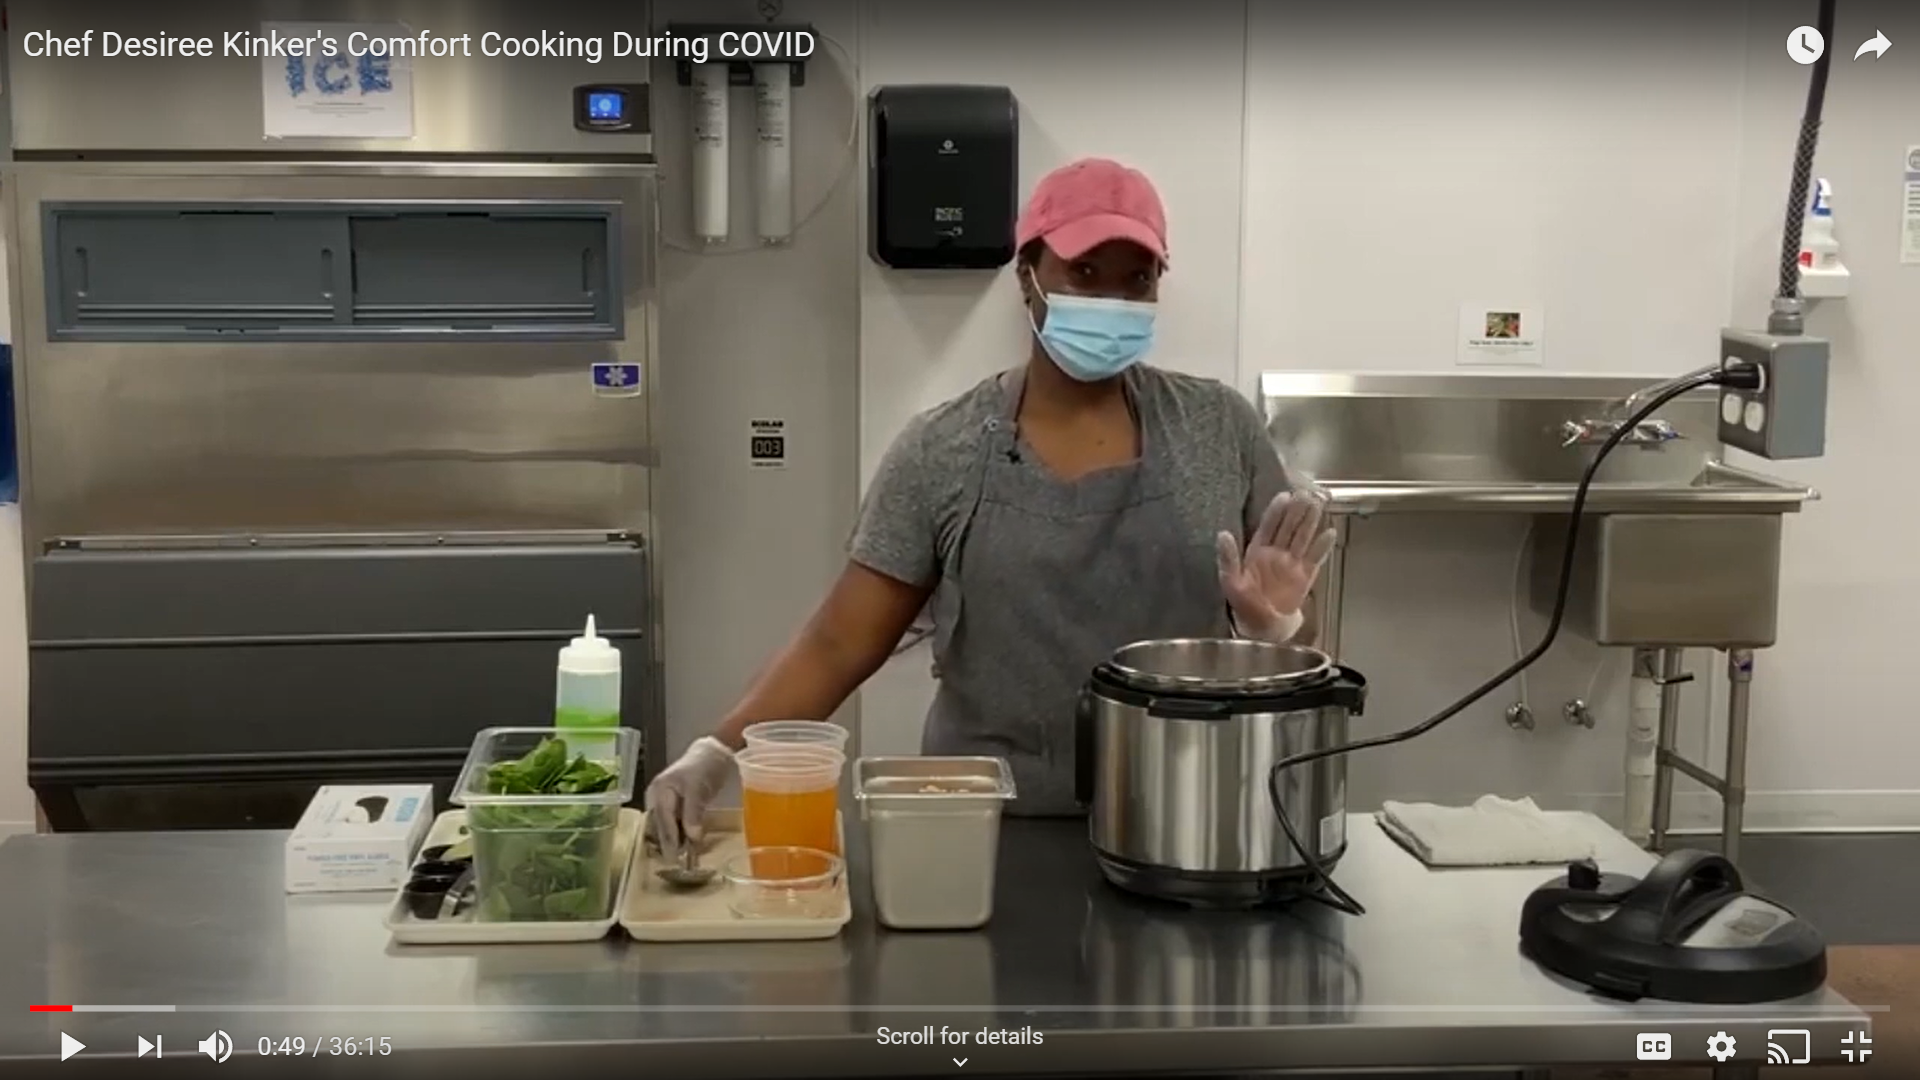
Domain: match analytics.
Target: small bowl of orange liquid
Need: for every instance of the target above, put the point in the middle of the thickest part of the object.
(783, 883)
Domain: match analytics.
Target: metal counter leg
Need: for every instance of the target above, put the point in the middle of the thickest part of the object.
(1734, 798)
(1669, 737)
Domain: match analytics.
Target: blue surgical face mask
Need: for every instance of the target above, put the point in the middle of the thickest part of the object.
(1093, 338)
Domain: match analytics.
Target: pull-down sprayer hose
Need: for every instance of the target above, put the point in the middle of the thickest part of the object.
(1803, 158)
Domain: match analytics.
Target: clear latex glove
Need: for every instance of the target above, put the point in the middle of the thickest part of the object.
(1266, 586)
(678, 798)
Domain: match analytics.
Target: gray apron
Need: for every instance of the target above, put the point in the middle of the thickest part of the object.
(1047, 581)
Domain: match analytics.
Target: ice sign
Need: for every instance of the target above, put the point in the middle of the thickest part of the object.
(342, 93)
(340, 75)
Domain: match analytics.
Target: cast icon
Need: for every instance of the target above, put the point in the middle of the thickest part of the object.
(1789, 1047)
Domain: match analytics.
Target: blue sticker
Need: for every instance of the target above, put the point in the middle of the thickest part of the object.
(617, 380)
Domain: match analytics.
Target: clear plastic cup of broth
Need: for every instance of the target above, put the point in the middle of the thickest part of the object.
(790, 796)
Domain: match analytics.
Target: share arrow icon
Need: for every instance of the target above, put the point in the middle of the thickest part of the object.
(1877, 45)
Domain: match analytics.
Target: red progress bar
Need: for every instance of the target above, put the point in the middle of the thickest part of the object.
(51, 1008)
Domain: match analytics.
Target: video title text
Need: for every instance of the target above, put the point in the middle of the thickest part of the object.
(732, 45)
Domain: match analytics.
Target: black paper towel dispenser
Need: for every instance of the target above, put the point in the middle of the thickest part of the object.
(943, 176)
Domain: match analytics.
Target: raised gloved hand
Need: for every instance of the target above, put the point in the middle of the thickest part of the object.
(678, 798)
(1267, 586)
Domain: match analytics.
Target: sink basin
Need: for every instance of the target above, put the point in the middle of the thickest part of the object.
(1677, 549)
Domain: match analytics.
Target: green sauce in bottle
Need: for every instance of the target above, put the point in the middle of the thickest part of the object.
(587, 683)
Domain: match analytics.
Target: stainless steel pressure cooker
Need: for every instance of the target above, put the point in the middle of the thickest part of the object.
(1175, 741)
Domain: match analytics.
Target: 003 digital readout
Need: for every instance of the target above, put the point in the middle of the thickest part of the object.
(297, 1046)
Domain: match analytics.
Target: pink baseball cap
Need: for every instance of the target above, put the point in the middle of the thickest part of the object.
(1078, 207)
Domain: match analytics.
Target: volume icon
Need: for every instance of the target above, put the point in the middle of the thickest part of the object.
(217, 1046)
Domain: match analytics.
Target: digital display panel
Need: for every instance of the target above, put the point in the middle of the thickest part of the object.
(606, 105)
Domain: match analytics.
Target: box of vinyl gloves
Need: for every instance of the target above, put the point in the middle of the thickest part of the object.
(358, 839)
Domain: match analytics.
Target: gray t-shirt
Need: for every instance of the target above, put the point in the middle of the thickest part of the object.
(917, 508)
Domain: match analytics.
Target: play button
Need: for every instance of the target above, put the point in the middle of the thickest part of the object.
(145, 1047)
(70, 1046)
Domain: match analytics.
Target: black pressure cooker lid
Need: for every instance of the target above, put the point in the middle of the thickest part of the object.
(1689, 931)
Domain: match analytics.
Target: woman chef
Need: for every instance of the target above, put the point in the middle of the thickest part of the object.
(1052, 514)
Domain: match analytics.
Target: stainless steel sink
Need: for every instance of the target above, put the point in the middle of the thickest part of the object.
(1681, 548)
(1717, 488)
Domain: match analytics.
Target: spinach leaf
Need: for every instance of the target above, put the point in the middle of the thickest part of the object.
(545, 862)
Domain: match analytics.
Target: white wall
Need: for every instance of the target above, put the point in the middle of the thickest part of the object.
(1627, 175)
(1329, 210)
(752, 334)
(1454, 166)
(1832, 723)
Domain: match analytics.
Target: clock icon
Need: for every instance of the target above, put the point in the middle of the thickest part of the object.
(1805, 45)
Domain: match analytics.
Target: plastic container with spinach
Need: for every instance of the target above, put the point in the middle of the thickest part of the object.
(543, 823)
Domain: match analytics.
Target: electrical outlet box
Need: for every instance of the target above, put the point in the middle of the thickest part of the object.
(1786, 418)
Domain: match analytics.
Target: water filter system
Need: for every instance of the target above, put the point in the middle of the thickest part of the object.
(773, 70)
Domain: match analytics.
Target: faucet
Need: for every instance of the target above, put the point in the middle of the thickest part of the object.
(1647, 434)
(1626, 407)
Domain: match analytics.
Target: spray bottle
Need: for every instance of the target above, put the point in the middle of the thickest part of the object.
(587, 684)
(1822, 275)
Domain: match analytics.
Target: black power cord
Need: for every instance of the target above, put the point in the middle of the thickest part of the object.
(1326, 891)
(1803, 157)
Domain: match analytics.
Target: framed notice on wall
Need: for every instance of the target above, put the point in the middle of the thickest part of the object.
(1501, 335)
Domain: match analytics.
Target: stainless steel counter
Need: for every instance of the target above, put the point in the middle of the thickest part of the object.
(1430, 977)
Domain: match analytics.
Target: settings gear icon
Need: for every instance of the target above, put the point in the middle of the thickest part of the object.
(1720, 1047)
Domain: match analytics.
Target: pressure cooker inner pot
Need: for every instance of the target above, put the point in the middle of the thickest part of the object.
(1217, 665)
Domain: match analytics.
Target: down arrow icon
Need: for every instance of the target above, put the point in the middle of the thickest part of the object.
(959, 1061)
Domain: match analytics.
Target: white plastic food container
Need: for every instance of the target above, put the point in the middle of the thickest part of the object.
(933, 837)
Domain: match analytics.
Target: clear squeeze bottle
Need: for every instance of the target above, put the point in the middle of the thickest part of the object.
(587, 684)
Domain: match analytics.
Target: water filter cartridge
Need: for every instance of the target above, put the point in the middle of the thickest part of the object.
(711, 150)
(773, 152)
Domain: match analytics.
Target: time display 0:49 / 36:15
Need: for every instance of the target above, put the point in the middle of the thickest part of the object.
(298, 1046)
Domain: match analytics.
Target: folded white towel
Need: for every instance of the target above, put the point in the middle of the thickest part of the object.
(1491, 832)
